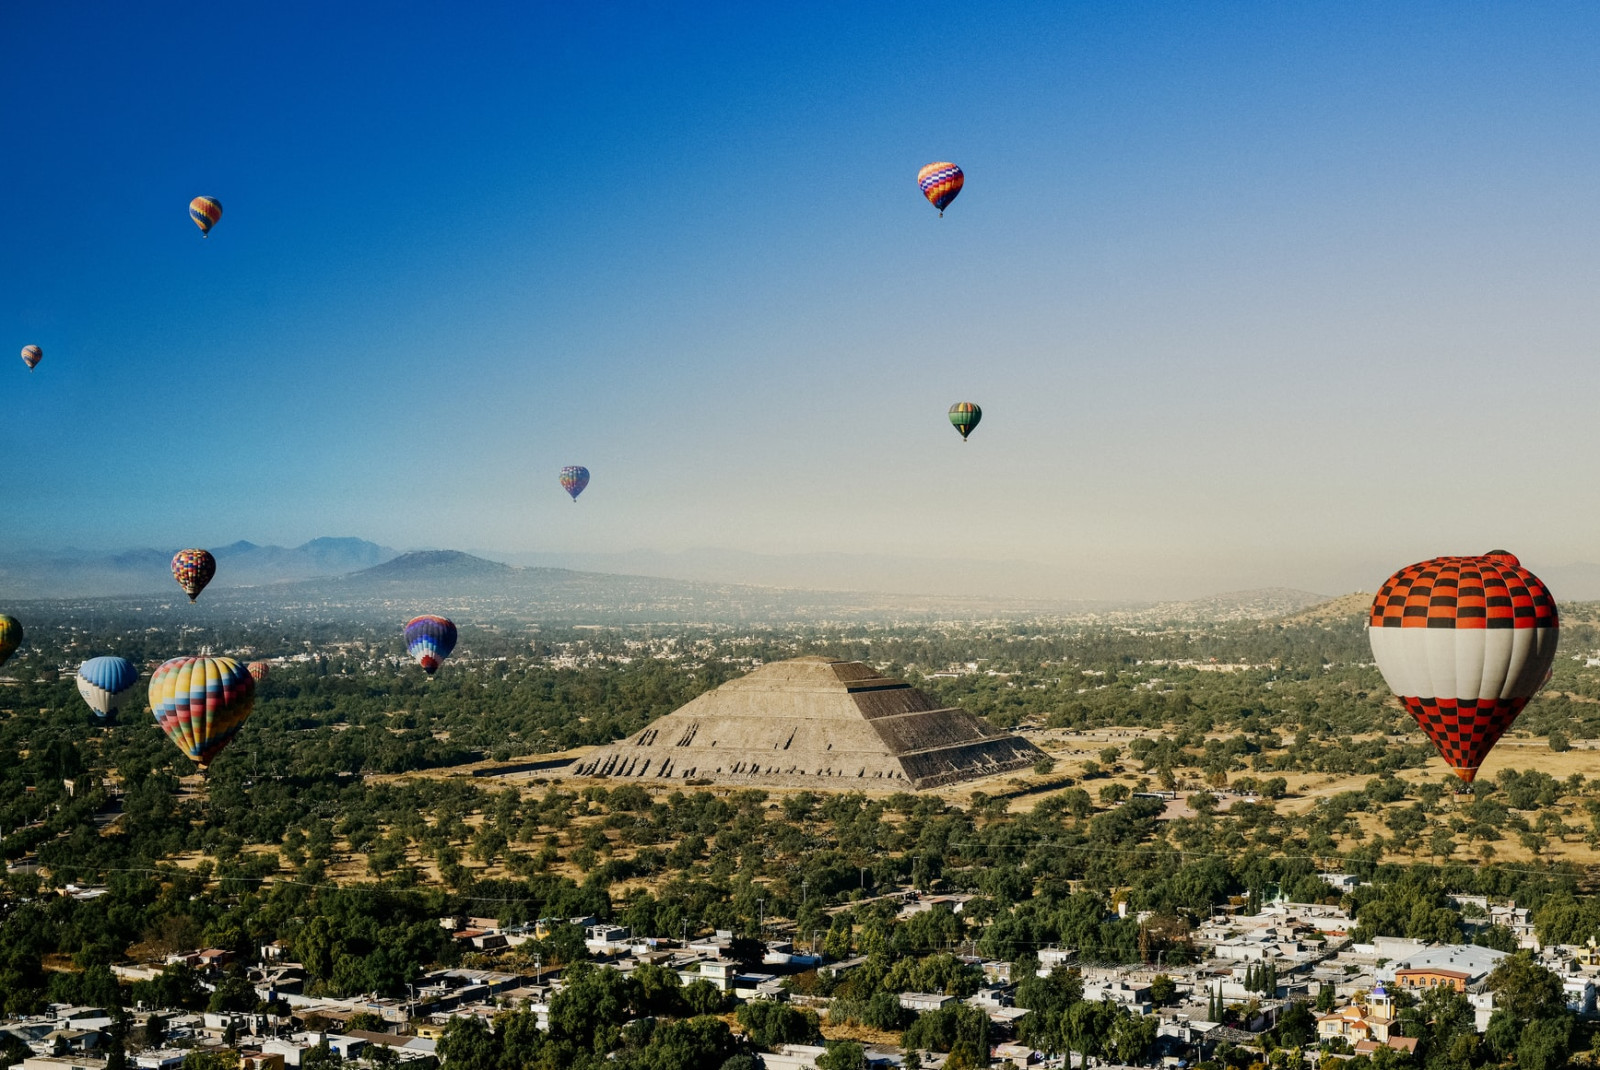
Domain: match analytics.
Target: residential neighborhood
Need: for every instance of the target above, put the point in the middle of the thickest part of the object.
(1255, 971)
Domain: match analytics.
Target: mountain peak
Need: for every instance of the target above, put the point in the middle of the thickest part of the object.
(428, 563)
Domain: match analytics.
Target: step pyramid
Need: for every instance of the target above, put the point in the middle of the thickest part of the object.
(813, 722)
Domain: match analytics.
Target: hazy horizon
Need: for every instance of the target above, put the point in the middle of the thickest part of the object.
(854, 573)
(1267, 296)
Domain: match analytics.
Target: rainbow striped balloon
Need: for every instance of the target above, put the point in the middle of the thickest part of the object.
(200, 703)
(940, 182)
(205, 211)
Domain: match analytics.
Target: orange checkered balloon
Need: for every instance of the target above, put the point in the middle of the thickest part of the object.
(1464, 642)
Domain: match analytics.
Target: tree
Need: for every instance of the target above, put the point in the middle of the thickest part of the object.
(591, 1010)
(660, 990)
(943, 1029)
(233, 993)
(468, 1044)
(1163, 989)
(843, 1055)
(1131, 1037)
(1086, 1027)
(747, 951)
(703, 997)
(1296, 1026)
(519, 1038)
(769, 1023)
(1046, 999)
(211, 1059)
(685, 1045)
(1525, 989)
(1502, 1033)
(1498, 937)
(1445, 1020)
(1545, 1043)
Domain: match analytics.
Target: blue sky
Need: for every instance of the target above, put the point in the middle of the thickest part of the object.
(1250, 293)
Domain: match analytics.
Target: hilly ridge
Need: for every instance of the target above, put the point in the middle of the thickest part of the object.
(88, 574)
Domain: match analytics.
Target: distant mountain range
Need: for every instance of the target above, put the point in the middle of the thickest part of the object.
(82, 574)
(348, 574)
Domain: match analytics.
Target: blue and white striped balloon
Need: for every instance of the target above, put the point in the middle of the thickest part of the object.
(103, 682)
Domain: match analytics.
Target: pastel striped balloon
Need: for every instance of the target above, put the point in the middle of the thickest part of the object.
(940, 182)
(31, 356)
(200, 703)
(103, 683)
(205, 211)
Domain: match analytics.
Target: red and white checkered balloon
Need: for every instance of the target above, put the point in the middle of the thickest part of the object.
(1464, 642)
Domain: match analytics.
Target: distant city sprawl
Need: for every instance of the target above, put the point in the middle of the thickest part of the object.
(1233, 846)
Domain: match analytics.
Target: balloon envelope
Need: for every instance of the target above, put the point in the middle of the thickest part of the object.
(940, 183)
(193, 569)
(105, 682)
(200, 703)
(31, 356)
(1464, 642)
(10, 636)
(574, 478)
(205, 211)
(430, 640)
(258, 670)
(964, 416)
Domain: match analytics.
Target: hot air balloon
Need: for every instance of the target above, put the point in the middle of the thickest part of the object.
(1464, 642)
(10, 636)
(104, 681)
(940, 182)
(430, 640)
(31, 356)
(205, 211)
(964, 416)
(258, 670)
(574, 477)
(193, 569)
(200, 704)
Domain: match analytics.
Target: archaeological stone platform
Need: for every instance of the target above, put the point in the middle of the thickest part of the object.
(813, 722)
